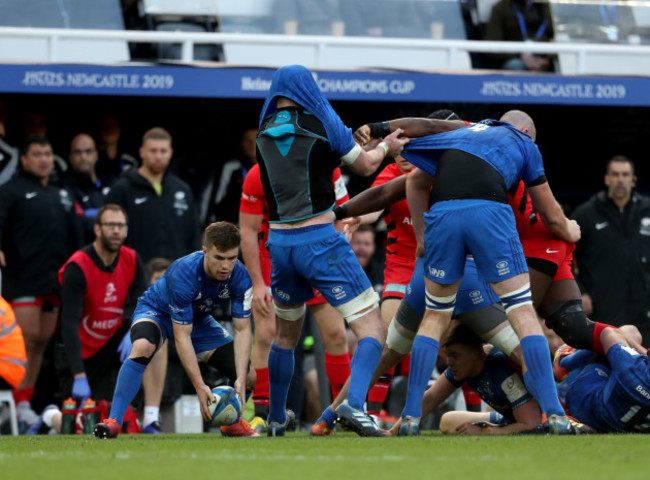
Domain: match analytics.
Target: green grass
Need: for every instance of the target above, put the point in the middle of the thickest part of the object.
(345, 456)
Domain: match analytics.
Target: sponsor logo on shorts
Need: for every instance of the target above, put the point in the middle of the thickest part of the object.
(503, 268)
(282, 295)
(175, 309)
(476, 297)
(339, 292)
(151, 313)
(434, 272)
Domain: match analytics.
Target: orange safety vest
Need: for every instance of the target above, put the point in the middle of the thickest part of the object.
(13, 358)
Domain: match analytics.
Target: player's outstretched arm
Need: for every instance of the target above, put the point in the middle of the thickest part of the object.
(412, 127)
(187, 355)
(552, 214)
(367, 162)
(418, 187)
(242, 345)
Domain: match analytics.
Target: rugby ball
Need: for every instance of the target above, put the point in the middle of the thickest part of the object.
(227, 408)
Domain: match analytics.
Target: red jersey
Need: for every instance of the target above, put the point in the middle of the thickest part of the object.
(401, 237)
(254, 202)
(104, 298)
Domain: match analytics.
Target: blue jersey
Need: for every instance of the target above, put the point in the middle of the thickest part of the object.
(613, 399)
(185, 292)
(509, 151)
(498, 385)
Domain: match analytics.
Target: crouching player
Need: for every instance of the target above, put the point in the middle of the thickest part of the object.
(178, 307)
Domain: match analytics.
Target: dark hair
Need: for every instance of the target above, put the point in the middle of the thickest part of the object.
(619, 159)
(156, 264)
(365, 228)
(156, 133)
(444, 114)
(34, 140)
(110, 206)
(464, 335)
(223, 235)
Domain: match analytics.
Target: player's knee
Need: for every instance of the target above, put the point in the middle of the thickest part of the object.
(334, 339)
(447, 427)
(360, 306)
(264, 332)
(145, 337)
(570, 322)
(440, 304)
(290, 314)
(505, 340)
(397, 341)
(517, 298)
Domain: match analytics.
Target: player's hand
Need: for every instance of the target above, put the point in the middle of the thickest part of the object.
(240, 388)
(124, 348)
(468, 429)
(362, 135)
(350, 225)
(206, 398)
(587, 304)
(81, 389)
(574, 231)
(262, 300)
(394, 430)
(395, 143)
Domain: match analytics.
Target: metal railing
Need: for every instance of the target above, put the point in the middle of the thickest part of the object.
(452, 50)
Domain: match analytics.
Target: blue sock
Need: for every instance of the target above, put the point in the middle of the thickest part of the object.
(363, 365)
(539, 379)
(328, 416)
(127, 386)
(280, 373)
(423, 360)
(577, 359)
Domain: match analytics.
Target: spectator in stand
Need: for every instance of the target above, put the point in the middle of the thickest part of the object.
(160, 205)
(38, 231)
(364, 247)
(308, 17)
(112, 161)
(35, 124)
(613, 255)
(520, 21)
(220, 199)
(82, 181)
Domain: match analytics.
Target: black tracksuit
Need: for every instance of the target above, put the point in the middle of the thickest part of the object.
(38, 231)
(165, 226)
(613, 259)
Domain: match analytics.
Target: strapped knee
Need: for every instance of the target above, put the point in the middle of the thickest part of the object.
(290, 314)
(151, 333)
(440, 304)
(570, 322)
(517, 298)
(396, 341)
(359, 306)
(505, 340)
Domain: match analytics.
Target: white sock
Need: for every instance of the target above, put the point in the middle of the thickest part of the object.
(47, 416)
(151, 414)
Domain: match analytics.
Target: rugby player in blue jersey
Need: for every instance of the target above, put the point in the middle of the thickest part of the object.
(178, 307)
(611, 394)
(301, 141)
(475, 166)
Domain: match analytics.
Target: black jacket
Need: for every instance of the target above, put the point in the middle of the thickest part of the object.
(613, 258)
(89, 197)
(38, 231)
(165, 226)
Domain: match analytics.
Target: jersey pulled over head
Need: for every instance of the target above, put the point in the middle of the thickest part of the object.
(297, 83)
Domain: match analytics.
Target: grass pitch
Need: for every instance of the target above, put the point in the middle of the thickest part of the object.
(344, 456)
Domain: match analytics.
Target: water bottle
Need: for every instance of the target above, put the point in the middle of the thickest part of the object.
(90, 415)
(69, 412)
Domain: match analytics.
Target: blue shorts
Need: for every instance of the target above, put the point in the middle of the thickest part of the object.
(314, 257)
(207, 333)
(473, 293)
(484, 229)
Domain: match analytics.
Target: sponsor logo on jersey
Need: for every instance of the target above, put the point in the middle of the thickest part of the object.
(140, 200)
(548, 250)
(110, 293)
(435, 272)
(224, 293)
(642, 391)
(30, 195)
(407, 220)
(600, 226)
(645, 226)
